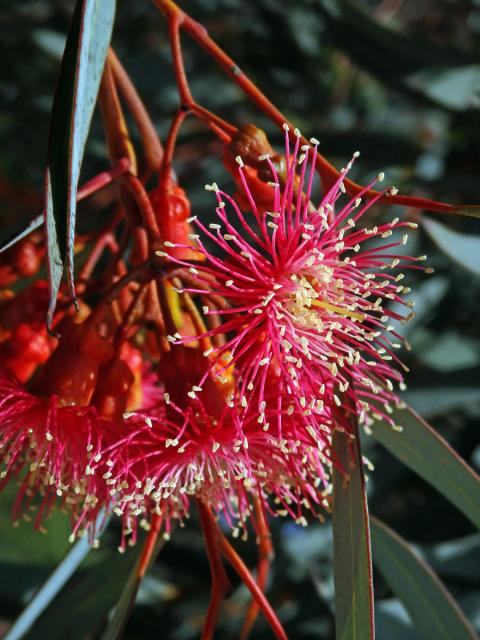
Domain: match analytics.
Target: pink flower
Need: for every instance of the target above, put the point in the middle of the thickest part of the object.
(291, 462)
(167, 456)
(309, 294)
(49, 447)
(53, 436)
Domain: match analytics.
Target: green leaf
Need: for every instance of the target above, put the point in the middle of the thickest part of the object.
(127, 598)
(73, 105)
(422, 449)
(21, 233)
(23, 544)
(48, 591)
(351, 544)
(123, 607)
(86, 600)
(462, 248)
(434, 612)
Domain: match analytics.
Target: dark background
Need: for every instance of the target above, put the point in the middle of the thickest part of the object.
(397, 80)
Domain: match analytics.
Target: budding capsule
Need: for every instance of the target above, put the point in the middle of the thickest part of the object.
(71, 372)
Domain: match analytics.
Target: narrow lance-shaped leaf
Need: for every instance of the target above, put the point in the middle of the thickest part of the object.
(434, 612)
(21, 233)
(87, 598)
(74, 102)
(152, 546)
(351, 545)
(422, 449)
(94, 184)
(49, 590)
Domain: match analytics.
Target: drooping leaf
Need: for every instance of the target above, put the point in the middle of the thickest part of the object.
(392, 621)
(91, 186)
(22, 544)
(55, 262)
(21, 233)
(462, 248)
(48, 591)
(351, 545)
(422, 449)
(86, 600)
(82, 65)
(128, 595)
(434, 612)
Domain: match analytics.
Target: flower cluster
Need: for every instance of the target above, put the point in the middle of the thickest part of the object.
(224, 378)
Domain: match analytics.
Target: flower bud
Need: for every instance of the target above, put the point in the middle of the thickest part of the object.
(23, 260)
(180, 370)
(26, 348)
(172, 210)
(250, 143)
(71, 372)
(112, 390)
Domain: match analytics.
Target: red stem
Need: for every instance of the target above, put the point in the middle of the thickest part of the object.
(174, 22)
(237, 563)
(149, 547)
(151, 144)
(117, 136)
(106, 239)
(221, 127)
(265, 556)
(220, 582)
(122, 331)
(137, 190)
(141, 273)
(328, 173)
(103, 179)
(165, 172)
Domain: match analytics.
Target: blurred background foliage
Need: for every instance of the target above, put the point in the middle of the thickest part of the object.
(399, 80)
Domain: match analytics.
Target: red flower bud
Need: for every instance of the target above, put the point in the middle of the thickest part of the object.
(26, 348)
(250, 143)
(113, 386)
(172, 210)
(71, 372)
(23, 260)
(180, 371)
